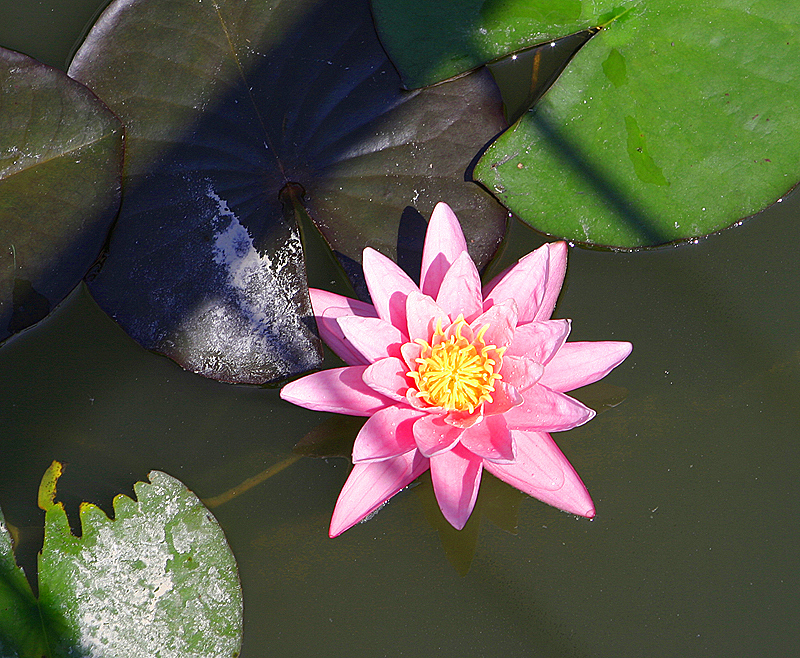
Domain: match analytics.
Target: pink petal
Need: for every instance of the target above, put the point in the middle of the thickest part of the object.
(543, 410)
(456, 476)
(422, 314)
(580, 363)
(340, 390)
(504, 397)
(388, 377)
(322, 300)
(444, 243)
(388, 286)
(502, 321)
(539, 340)
(542, 471)
(521, 372)
(490, 440)
(388, 433)
(411, 352)
(373, 338)
(433, 435)
(332, 334)
(460, 291)
(327, 307)
(525, 282)
(555, 279)
(370, 485)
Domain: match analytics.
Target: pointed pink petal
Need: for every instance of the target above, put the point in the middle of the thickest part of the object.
(580, 363)
(340, 390)
(433, 435)
(373, 338)
(555, 279)
(543, 410)
(490, 440)
(444, 243)
(388, 433)
(539, 340)
(322, 300)
(525, 282)
(327, 307)
(370, 485)
(504, 397)
(456, 476)
(521, 372)
(542, 471)
(388, 286)
(502, 321)
(388, 377)
(422, 314)
(460, 292)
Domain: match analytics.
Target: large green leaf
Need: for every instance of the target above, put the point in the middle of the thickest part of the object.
(433, 41)
(669, 124)
(60, 166)
(158, 580)
(237, 113)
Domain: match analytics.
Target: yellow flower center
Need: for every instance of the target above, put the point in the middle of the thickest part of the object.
(456, 373)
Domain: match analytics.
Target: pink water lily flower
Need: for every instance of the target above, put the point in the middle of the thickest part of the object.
(456, 378)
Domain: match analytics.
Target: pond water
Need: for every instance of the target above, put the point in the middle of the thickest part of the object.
(692, 463)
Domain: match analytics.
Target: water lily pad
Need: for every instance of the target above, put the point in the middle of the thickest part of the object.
(159, 579)
(666, 126)
(433, 41)
(238, 113)
(60, 168)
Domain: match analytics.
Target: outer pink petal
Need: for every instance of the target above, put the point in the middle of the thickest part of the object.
(542, 471)
(433, 435)
(422, 314)
(555, 279)
(388, 377)
(388, 286)
(460, 292)
(490, 440)
(444, 243)
(521, 372)
(370, 485)
(543, 410)
(539, 340)
(388, 433)
(340, 390)
(322, 300)
(373, 338)
(327, 307)
(456, 476)
(525, 282)
(502, 321)
(578, 364)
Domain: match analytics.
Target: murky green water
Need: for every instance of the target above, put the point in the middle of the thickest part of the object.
(694, 547)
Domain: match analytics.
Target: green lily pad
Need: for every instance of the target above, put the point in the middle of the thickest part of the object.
(666, 126)
(433, 41)
(60, 168)
(158, 580)
(237, 114)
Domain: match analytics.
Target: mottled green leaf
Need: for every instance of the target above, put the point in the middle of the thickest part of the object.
(667, 125)
(60, 166)
(158, 580)
(236, 114)
(433, 41)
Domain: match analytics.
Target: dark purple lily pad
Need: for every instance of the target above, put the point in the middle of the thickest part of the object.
(239, 113)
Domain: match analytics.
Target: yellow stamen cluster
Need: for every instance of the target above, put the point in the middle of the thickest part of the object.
(455, 373)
